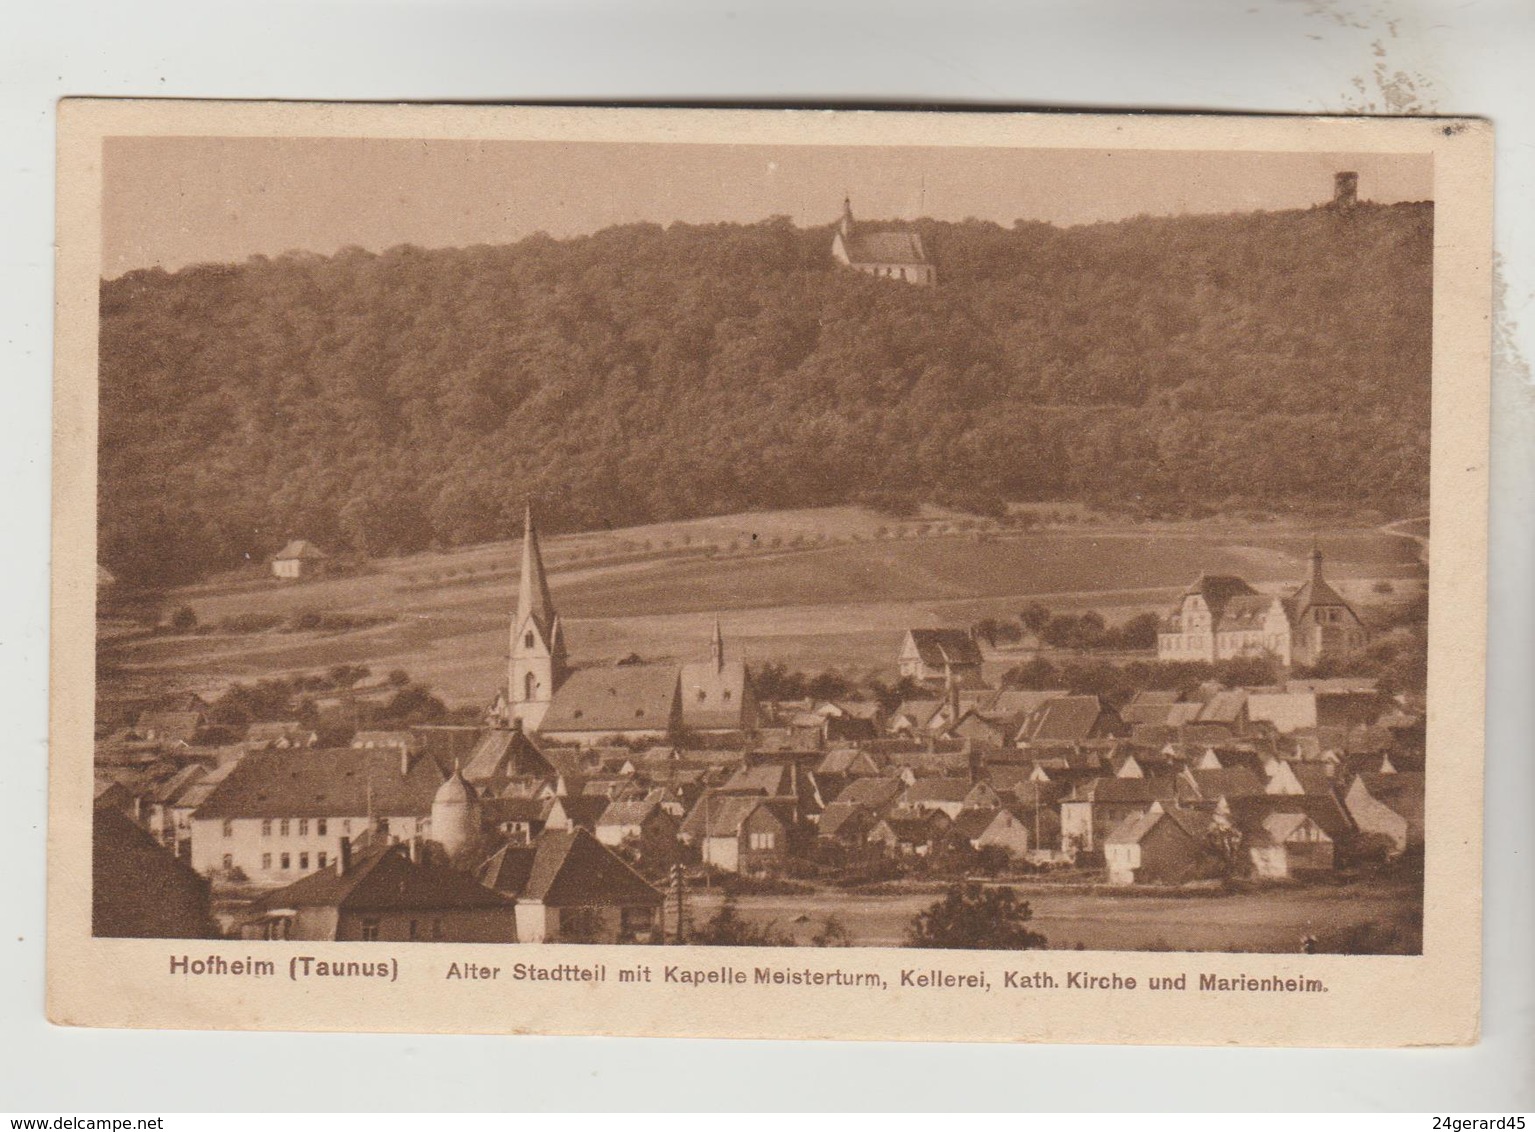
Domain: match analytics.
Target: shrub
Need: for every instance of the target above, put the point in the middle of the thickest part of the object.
(974, 916)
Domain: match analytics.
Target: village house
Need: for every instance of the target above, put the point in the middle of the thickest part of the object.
(945, 795)
(568, 812)
(645, 826)
(282, 734)
(931, 656)
(299, 559)
(910, 833)
(140, 889)
(1221, 617)
(998, 828)
(1390, 805)
(888, 251)
(1067, 721)
(383, 893)
(846, 825)
(743, 833)
(516, 819)
(1286, 843)
(172, 727)
(281, 814)
(504, 754)
(1099, 805)
(569, 888)
(1164, 845)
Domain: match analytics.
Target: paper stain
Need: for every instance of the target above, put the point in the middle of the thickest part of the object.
(1390, 84)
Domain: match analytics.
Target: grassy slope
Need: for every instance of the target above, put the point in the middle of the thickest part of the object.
(653, 590)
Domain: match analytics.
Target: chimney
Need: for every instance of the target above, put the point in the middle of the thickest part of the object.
(972, 761)
(1345, 190)
(344, 857)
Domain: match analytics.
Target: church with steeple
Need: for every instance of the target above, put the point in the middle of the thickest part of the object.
(890, 251)
(544, 694)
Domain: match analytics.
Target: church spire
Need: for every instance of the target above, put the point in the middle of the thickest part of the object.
(533, 592)
(1316, 560)
(717, 647)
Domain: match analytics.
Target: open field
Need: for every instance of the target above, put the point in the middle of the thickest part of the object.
(1272, 920)
(832, 588)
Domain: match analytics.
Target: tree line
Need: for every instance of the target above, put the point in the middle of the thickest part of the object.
(382, 403)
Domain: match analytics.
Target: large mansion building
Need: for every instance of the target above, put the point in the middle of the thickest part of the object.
(1221, 617)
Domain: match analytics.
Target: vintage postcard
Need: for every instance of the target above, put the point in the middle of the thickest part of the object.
(795, 574)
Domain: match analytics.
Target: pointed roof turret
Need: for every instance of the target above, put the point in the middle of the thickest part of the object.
(533, 592)
(717, 646)
(456, 790)
(1315, 591)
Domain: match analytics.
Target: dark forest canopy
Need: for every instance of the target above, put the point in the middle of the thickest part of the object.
(386, 402)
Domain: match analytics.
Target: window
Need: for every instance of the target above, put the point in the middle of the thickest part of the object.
(282, 828)
(286, 862)
(527, 639)
(702, 695)
(382, 825)
(303, 860)
(727, 695)
(319, 826)
(320, 860)
(229, 828)
(303, 827)
(529, 686)
(762, 840)
(370, 930)
(266, 827)
(229, 861)
(266, 861)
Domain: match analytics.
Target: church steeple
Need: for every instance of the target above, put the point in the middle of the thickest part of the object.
(533, 598)
(536, 664)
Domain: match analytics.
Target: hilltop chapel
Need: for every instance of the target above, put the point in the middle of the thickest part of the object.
(889, 251)
(608, 703)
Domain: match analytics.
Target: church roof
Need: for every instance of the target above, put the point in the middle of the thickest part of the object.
(714, 696)
(639, 697)
(889, 246)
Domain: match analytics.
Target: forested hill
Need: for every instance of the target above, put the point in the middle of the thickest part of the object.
(386, 402)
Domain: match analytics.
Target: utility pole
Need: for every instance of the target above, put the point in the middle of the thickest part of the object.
(679, 890)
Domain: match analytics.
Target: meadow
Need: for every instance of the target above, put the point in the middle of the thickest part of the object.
(1271, 920)
(814, 589)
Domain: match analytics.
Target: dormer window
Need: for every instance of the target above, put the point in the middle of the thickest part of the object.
(527, 639)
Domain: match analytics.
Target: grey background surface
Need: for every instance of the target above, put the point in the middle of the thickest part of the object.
(1330, 56)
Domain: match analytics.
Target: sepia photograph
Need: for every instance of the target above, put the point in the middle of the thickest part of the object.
(881, 543)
